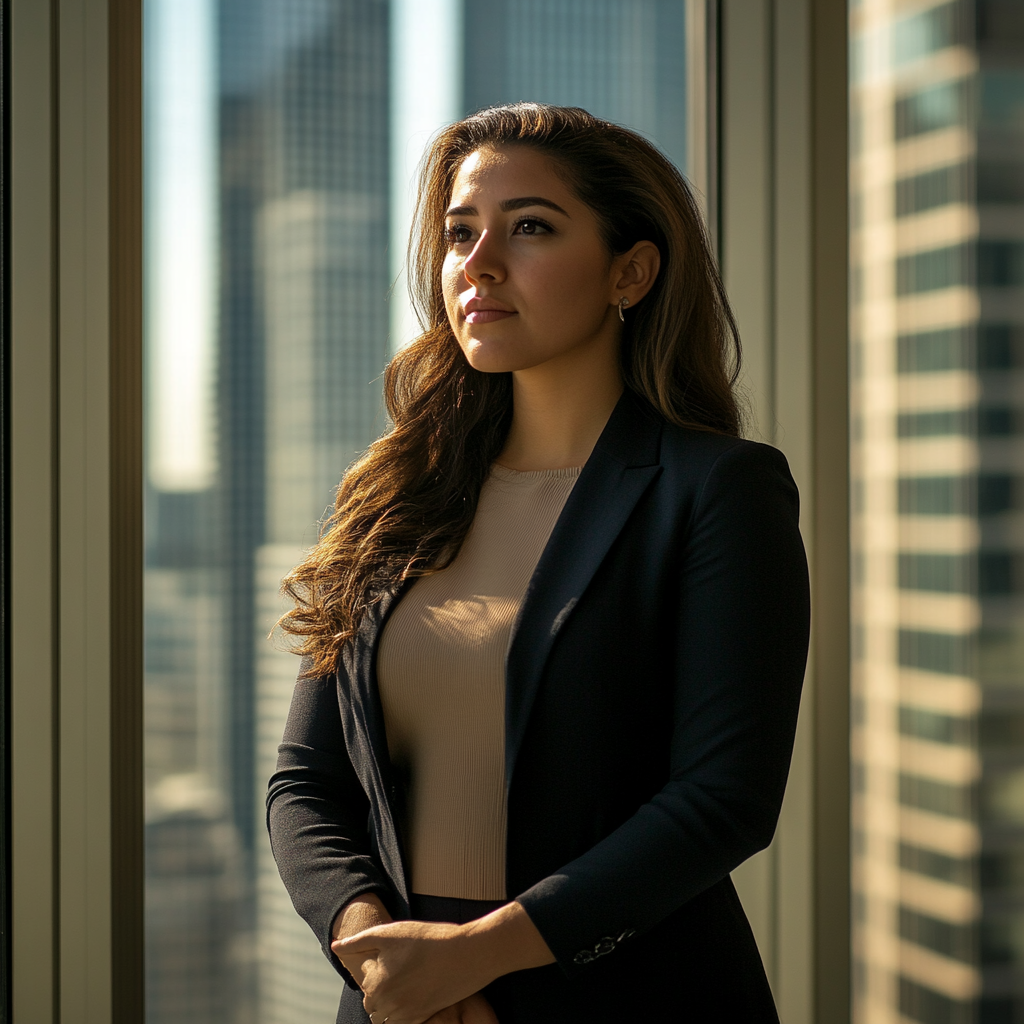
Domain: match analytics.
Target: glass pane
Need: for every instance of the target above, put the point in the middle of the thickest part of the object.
(937, 328)
(281, 140)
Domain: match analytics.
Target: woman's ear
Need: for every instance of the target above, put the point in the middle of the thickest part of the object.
(634, 272)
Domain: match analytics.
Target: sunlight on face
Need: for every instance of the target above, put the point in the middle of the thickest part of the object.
(527, 277)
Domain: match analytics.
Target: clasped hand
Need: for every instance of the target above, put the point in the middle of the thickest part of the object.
(416, 971)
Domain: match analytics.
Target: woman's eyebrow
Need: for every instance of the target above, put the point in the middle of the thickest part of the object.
(507, 205)
(517, 204)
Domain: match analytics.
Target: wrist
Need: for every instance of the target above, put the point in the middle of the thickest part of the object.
(360, 913)
(506, 941)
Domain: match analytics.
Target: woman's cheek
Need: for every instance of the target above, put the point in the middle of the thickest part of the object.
(451, 278)
(451, 306)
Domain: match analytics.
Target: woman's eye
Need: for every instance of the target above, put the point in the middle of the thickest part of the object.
(458, 233)
(528, 226)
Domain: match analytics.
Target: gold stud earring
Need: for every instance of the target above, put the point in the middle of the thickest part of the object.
(623, 303)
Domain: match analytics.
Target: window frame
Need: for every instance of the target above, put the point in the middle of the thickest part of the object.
(76, 519)
(784, 201)
(5, 702)
(776, 162)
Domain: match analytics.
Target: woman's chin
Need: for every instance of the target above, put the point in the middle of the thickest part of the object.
(492, 367)
(488, 358)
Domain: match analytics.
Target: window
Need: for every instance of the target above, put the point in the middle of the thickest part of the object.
(281, 142)
(940, 798)
(926, 32)
(930, 725)
(948, 653)
(931, 189)
(929, 110)
(933, 270)
(950, 940)
(776, 175)
(941, 866)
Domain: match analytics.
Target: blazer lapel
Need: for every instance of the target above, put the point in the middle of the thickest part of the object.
(366, 737)
(363, 677)
(622, 466)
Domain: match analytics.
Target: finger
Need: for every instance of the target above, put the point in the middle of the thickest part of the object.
(361, 943)
(378, 933)
(340, 949)
(357, 956)
(379, 1016)
(360, 966)
(357, 962)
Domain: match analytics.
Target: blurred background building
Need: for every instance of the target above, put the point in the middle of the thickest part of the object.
(937, 337)
(279, 134)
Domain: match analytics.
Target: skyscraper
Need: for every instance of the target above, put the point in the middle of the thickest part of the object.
(938, 339)
(301, 340)
(195, 856)
(623, 60)
(321, 232)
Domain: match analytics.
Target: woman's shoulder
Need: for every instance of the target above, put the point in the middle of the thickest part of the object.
(707, 478)
(688, 457)
(700, 453)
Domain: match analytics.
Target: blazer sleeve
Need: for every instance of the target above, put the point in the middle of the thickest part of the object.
(737, 660)
(317, 814)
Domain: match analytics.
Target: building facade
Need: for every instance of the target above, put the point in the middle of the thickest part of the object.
(937, 337)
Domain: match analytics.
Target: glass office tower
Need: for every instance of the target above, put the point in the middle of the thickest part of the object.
(937, 333)
(270, 202)
(622, 61)
(298, 177)
(322, 283)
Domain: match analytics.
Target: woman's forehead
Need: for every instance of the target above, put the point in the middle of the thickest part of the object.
(506, 172)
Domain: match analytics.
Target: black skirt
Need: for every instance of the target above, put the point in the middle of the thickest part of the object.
(714, 981)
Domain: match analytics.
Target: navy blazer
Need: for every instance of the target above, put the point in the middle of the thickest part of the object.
(652, 688)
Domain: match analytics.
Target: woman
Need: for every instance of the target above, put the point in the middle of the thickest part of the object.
(556, 628)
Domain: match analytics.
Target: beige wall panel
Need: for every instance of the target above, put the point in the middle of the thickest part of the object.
(745, 246)
(793, 250)
(83, 515)
(784, 202)
(33, 754)
(746, 198)
(827, 88)
(65, 544)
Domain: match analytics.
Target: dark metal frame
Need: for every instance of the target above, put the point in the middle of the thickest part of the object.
(126, 722)
(5, 792)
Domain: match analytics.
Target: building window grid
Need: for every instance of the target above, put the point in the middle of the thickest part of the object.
(942, 671)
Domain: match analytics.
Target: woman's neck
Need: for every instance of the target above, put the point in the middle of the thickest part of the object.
(558, 412)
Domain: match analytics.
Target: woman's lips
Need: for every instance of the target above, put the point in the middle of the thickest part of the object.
(486, 316)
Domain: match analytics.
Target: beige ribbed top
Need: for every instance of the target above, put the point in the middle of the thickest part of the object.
(441, 672)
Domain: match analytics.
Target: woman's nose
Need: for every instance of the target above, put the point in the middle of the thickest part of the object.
(485, 261)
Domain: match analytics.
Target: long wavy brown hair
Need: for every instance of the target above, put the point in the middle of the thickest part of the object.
(405, 506)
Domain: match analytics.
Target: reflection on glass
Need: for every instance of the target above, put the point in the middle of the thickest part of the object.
(280, 138)
(937, 328)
